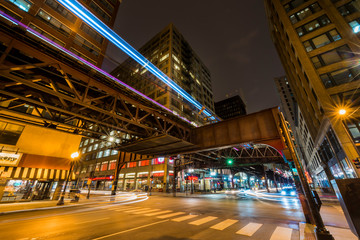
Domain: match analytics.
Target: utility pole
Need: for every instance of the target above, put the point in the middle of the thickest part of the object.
(276, 186)
(266, 180)
(321, 232)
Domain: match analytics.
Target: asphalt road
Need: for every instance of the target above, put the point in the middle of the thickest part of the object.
(160, 217)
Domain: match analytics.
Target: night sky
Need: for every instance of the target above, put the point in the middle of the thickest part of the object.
(231, 38)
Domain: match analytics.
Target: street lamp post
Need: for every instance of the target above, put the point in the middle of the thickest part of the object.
(73, 156)
(320, 231)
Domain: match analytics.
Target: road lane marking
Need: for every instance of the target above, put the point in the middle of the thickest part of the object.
(224, 224)
(126, 209)
(171, 215)
(136, 210)
(158, 213)
(249, 229)
(132, 229)
(94, 220)
(146, 211)
(180, 219)
(203, 220)
(281, 233)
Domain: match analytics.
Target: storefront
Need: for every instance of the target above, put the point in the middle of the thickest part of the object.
(21, 180)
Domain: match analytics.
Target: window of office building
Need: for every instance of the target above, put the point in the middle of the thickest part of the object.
(53, 22)
(304, 13)
(313, 25)
(293, 4)
(333, 56)
(349, 8)
(354, 129)
(60, 9)
(106, 5)
(112, 164)
(322, 40)
(82, 42)
(144, 163)
(24, 5)
(83, 56)
(341, 76)
(99, 11)
(355, 25)
(10, 13)
(92, 33)
(45, 34)
(10, 133)
(104, 166)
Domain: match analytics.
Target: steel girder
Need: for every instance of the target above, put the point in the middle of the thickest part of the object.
(44, 87)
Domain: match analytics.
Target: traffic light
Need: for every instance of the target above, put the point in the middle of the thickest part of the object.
(229, 161)
(357, 162)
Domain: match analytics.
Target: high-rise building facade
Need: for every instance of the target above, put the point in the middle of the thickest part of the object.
(304, 141)
(52, 20)
(172, 54)
(230, 107)
(317, 42)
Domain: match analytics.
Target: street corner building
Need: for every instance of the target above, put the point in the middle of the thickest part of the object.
(318, 44)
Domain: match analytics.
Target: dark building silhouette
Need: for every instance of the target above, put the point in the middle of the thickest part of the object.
(230, 107)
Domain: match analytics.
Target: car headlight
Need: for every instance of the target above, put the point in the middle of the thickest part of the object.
(283, 193)
(292, 193)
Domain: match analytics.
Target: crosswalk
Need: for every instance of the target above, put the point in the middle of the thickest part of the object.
(244, 229)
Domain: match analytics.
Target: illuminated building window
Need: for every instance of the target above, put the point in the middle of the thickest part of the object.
(106, 153)
(104, 166)
(61, 10)
(355, 25)
(10, 13)
(131, 164)
(114, 152)
(53, 22)
(144, 163)
(112, 164)
(96, 146)
(99, 154)
(313, 25)
(90, 148)
(24, 5)
(164, 57)
(304, 13)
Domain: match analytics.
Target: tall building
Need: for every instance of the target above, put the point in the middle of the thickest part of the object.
(55, 22)
(230, 107)
(35, 159)
(304, 141)
(317, 43)
(172, 54)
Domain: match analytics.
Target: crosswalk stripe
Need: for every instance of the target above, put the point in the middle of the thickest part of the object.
(136, 210)
(146, 211)
(224, 224)
(203, 220)
(180, 219)
(249, 229)
(126, 209)
(157, 213)
(281, 233)
(171, 215)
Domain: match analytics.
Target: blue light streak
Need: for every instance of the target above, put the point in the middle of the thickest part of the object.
(45, 39)
(84, 14)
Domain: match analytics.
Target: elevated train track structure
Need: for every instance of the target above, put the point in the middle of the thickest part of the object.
(45, 85)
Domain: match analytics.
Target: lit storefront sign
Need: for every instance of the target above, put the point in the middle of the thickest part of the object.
(9, 159)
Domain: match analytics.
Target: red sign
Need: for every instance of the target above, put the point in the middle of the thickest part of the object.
(103, 178)
(193, 178)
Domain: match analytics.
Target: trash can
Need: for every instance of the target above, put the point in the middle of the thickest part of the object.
(348, 193)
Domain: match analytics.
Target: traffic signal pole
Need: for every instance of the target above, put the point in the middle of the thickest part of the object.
(321, 232)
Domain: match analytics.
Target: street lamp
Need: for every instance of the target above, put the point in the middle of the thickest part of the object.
(73, 157)
(342, 111)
